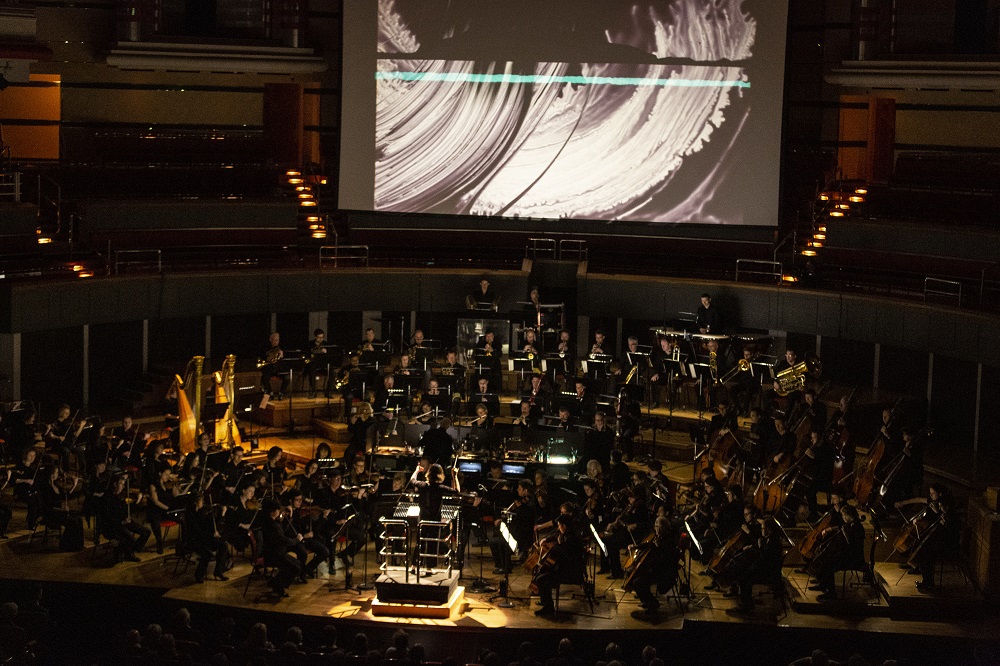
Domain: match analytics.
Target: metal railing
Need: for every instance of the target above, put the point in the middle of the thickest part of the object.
(10, 186)
(50, 200)
(940, 289)
(573, 248)
(338, 253)
(541, 247)
(119, 262)
(747, 267)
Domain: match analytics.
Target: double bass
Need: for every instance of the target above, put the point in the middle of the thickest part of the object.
(866, 480)
(732, 557)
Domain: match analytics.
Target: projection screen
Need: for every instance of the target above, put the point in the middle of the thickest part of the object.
(662, 111)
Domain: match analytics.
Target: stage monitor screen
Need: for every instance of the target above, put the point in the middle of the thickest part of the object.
(660, 111)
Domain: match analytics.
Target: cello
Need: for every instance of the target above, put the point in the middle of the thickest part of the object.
(865, 481)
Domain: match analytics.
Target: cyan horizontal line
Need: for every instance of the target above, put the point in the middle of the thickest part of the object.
(465, 77)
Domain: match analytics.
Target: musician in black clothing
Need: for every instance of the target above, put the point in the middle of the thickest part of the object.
(618, 474)
(275, 546)
(233, 470)
(847, 552)
(566, 423)
(316, 363)
(565, 563)
(597, 444)
(388, 398)
(482, 298)
(488, 352)
(271, 366)
(486, 396)
(782, 444)
(814, 410)
(788, 361)
(24, 478)
(520, 522)
(660, 566)
(297, 525)
(201, 535)
(707, 318)
(536, 395)
(629, 416)
(724, 420)
(765, 567)
(528, 419)
(274, 470)
(453, 373)
(438, 445)
(115, 522)
(360, 430)
(743, 389)
(940, 534)
(631, 527)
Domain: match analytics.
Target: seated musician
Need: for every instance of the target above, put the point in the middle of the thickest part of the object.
(388, 399)
(597, 444)
(782, 444)
(659, 568)
(488, 353)
(765, 567)
(660, 380)
(369, 343)
(722, 422)
(233, 470)
(584, 404)
(599, 345)
(115, 522)
(486, 396)
(274, 470)
(835, 523)
(618, 474)
(317, 367)
(528, 418)
(814, 410)
(743, 389)
(629, 413)
(565, 347)
(630, 527)
(201, 535)
(241, 516)
(565, 562)
(520, 521)
(536, 395)
(60, 435)
(275, 547)
(454, 372)
(55, 491)
(566, 422)
(297, 526)
(789, 360)
(940, 534)
(195, 476)
(344, 518)
(26, 482)
(309, 482)
(483, 435)
(751, 532)
(271, 366)
(706, 513)
(848, 552)
(439, 400)
(629, 360)
(159, 503)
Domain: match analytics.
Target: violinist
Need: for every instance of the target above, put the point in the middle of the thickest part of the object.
(630, 527)
(159, 503)
(276, 546)
(765, 567)
(127, 432)
(274, 470)
(297, 525)
(271, 366)
(24, 479)
(658, 568)
(241, 516)
(61, 434)
(703, 517)
(233, 470)
(939, 533)
(520, 520)
(343, 517)
(357, 475)
(96, 485)
(847, 546)
(594, 505)
(154, 463)
(309, 482)
(565, 562)
(618, 474)
(201, 535)
(115, 522)
(195, 475)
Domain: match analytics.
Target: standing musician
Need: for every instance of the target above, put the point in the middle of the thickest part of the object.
(847, 551)
(276, 546)
(564, 562)
(663, 356)
(707, 319)
(271, 366)
(26, 482)
(815, 411)
(782, 444)
(315, 366)
(520, 520)
(597, 444)
(658, 567)
(115, 522)
(201, 535)
(438, 445)
(343, 517)
(483, 298)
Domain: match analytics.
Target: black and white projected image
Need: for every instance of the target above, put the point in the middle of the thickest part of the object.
(583, 109)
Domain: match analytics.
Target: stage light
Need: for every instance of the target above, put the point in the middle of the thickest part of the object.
(819, 236)
(861, 190)
(789, 278)
(305, 195)
(293, 173)
(85, 274)
(836, 213)
(319, 234)
(844, 206)
(856, 199)
(77, 268)
(315, 227)
(307, 203)
(44, 240)
(302, 188)
(295, 181)
(808, 253)
(312, 218)
(822, 228)
(824, 197)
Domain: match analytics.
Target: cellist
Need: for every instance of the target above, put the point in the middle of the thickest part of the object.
(942, 525)
(658, 567)
(565, 562)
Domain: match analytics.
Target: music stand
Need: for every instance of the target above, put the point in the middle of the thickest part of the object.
(511, 543)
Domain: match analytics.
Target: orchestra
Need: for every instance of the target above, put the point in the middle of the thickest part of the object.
(773, 456)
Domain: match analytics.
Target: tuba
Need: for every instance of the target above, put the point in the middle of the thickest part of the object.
(794, 378)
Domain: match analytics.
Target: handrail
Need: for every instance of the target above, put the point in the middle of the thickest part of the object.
(955, 293)
(780, 245)
(546, 246)
(775, 272)
(359, 252)
(119, 262)
(578, 249)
